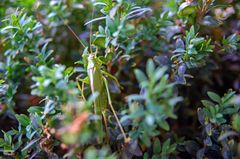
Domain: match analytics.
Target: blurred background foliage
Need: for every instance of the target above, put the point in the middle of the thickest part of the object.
(46, 96)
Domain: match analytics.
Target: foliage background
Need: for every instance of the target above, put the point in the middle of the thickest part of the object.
(193, 47)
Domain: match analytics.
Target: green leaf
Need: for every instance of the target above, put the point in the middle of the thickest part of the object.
(220, 120)
(159, 72)
(90, 153)
(7, 138)
(23, 119)
(228, 97)
(156, 156)
(164, 124)
(68, 71)
(156, 146)
(212, 111)
(1, 81)
(100, 41)
(186, 8)
(145, 139)
(207, 103)
(215, 97)
(94, 20)
(145, 156)
(229, 111)
(219, 115)
(31, 143)
(172, 148)
(9, 27)
(236, 122)
(165, 146)
(2, 142)
(35, 109)
(150, 68)
(140, 76)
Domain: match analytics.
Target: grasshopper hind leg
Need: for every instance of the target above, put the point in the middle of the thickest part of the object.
(105, 125)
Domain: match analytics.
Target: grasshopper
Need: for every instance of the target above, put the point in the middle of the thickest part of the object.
(98, 83)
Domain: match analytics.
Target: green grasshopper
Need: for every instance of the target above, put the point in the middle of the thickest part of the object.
(98, 83)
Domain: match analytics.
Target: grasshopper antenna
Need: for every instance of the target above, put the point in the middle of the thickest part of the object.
(91, 28)
(71, 30)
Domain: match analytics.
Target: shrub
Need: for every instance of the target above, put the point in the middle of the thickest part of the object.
(119, 79)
